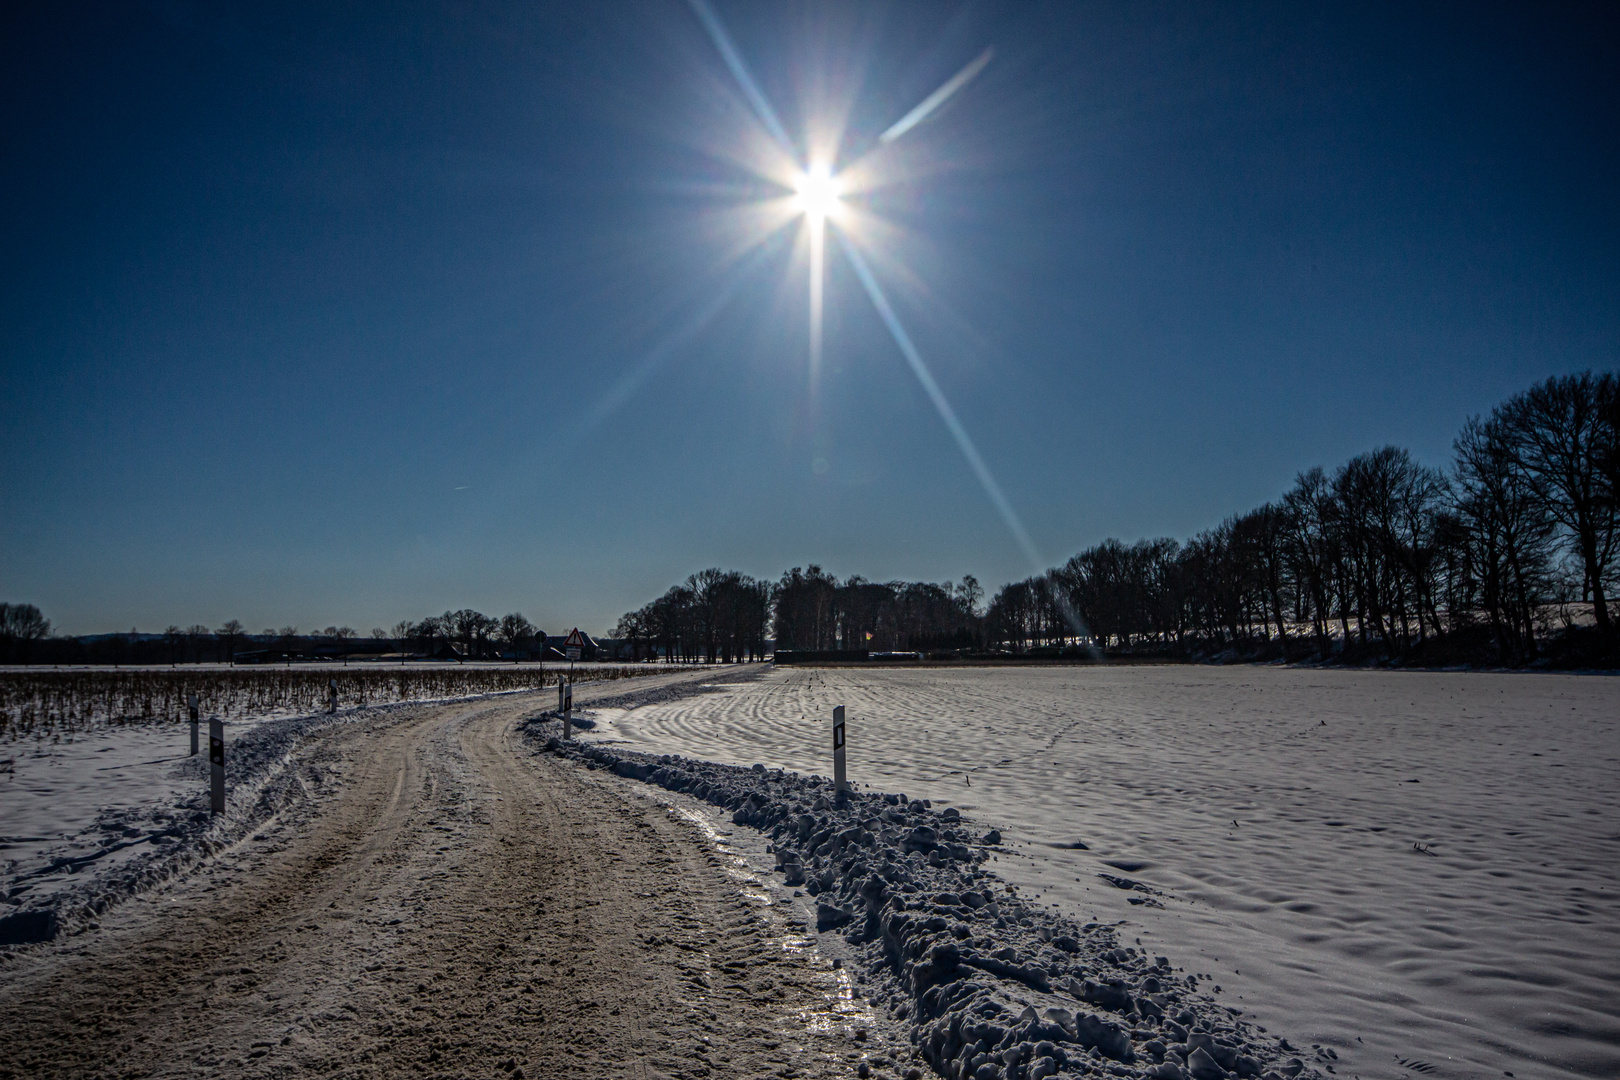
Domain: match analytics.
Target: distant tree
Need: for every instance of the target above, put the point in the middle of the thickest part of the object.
(674, 626)
(23, 622)
(195, 633)
(744, 611)
(516, 632)
(230, 635)
(424, 634)
(1311, 543)
(1505, 535)
(705, 588)
(22, 626)
(970, 594)
(1389, 507)
(1023, 614)
(471, 628)
(804, 609)
(635, 628)
(1264, 534)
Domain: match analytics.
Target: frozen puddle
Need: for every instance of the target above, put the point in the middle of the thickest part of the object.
(1419, 871)
(745, 861)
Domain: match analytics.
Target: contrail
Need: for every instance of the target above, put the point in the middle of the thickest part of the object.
(937, 98)
(946, 413)
(734, 61)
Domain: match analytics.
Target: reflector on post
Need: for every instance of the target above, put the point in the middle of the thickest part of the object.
(840, 784)
(216, 764)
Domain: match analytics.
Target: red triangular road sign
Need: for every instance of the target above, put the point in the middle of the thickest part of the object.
(576, 640)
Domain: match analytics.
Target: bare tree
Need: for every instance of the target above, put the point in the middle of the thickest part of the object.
(1507, 533)
(23, 622)
(470, 627)
(516, 632)
(1312, 545)
(230, 635)
(21, 627)
(1562, 431)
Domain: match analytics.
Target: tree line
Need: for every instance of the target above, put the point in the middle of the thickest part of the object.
(479, 636)
(716, 616)
(720, 616)
(1514, 543)
(25, 637)
(1511, 547)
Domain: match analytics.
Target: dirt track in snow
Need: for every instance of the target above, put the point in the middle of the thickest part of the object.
(456, 906)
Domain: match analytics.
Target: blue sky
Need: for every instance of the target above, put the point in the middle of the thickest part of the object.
(315, 315)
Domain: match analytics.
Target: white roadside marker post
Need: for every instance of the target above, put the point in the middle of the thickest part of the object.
(191, 703)
(216, 764)
(331, 690)
(573, 648)
(840, 783)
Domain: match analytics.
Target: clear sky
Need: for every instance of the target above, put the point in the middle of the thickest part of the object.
(342, 314)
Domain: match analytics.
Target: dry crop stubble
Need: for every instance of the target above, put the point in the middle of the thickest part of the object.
(51, 704)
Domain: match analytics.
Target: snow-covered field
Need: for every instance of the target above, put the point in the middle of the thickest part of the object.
(1420, 871)
(93, 817)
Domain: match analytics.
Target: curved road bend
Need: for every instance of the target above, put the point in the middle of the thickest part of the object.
(454, 906)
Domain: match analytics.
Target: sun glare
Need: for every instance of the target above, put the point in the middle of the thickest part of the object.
(817, 210)
(817, 192)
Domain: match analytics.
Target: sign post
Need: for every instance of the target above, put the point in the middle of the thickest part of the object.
(573, 648)
(216, 764)
(191, 703)
(840, 784)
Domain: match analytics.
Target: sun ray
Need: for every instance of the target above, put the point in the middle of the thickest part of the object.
(818, 196)
(818, 267)
(694, 322)
(942, 405)
(739, 70)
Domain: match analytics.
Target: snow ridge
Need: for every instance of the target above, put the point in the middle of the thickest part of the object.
(990, 988)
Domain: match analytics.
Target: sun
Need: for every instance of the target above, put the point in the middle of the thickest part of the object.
(817, 192)
(819, 213)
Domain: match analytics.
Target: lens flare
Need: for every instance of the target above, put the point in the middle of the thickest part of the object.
(817, 192)
(818, 198)
(816, 195)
